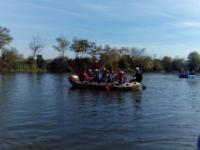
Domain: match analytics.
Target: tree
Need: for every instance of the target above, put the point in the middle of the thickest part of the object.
(40, 62)
(8, 60)
(5, 38)
(110, 58)
(94, 50)
(194, 61)
(62, 45)
(123, 51)
(59, 65)
(167, 63)
(36, 45)
(135, 52)
(157, 66)
(178, 64)
(147, 63)
(124, 62)
(80, 46)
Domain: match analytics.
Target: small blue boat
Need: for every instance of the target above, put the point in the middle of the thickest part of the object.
(187, 75)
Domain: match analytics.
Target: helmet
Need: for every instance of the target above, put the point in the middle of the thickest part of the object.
(137, 68)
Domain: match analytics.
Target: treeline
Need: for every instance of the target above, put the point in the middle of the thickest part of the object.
(87, 55)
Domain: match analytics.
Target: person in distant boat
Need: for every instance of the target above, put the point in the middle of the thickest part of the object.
(122, 77)
(83, 75)
(138, 75)
(104, 75)
(90, 75)
(192, 72)
(96, 75)
(110, 76)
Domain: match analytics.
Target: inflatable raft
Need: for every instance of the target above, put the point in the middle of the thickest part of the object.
(76, 83)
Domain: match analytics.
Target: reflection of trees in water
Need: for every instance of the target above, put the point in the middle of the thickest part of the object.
(137, 99)
(7, 89)
(137, 95)
(98, 96)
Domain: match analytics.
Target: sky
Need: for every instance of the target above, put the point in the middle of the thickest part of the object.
(163, 27)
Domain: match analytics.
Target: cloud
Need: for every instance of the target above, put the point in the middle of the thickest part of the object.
(190, 24)
(96, 7)
(181, 25)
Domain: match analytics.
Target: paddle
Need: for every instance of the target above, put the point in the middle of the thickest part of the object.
(107, 88)
(198, 142)
(143, 87)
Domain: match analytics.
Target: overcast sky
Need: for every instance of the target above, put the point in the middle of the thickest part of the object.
(163, 27)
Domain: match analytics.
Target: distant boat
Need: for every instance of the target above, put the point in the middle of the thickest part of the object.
(75, 82)
(198, 143)
(187, 75)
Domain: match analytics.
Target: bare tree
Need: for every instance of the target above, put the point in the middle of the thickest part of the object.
(62, 45)
(135, 52)
(123, 51)
(94, 50)
(36, 45)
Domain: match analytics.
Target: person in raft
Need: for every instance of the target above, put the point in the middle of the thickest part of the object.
(137, 75)
(83, 75)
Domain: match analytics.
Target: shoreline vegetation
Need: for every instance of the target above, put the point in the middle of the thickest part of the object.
(87, 55)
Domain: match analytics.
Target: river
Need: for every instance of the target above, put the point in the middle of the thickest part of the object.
(42, 112)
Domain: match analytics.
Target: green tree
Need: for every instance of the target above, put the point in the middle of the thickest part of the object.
(124, 62)
(5, 37)
(62, 45)
(8, 60)
(147, 63)
(40, 62)
(194, 61)
(80, 46)
(59, 65)
(178, 64)
(167, 64)
(157, 65)
(110, 58)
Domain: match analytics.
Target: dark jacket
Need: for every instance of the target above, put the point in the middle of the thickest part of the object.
(138, 77)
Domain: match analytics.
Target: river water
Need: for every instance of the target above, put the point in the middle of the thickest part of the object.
(42, 112)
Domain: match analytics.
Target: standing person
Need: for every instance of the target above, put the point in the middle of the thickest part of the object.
(90, 75)
(96, 75)
(138, 75)
(110, 76)
(121, 77)
(103, 74)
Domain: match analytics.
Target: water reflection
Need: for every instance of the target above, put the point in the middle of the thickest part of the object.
(137, 100)
(47, 114)
(129, 99)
